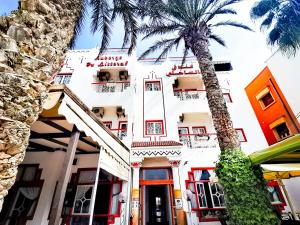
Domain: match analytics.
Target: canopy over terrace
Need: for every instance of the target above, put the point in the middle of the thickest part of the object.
(66, 124)
(280, 161)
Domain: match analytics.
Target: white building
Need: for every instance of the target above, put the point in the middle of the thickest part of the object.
(161, 115)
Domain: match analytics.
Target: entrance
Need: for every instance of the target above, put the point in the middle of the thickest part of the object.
(156, 196)
(157, 205)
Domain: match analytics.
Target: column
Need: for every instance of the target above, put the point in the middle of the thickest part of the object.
(135, 195)
(180, 216)
(64, 178)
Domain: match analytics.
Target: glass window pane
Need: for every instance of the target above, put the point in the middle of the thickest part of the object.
(88, 176)
(29, 173)
(156, 174)
(82, 199)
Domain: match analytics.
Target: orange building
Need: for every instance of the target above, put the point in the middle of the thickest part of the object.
(271, 107)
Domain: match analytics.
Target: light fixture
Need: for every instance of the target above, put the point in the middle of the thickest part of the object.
(122, 198)
(188, 195)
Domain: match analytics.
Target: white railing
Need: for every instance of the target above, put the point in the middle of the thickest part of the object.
(108, 87)
(186, 95)
(195, 141)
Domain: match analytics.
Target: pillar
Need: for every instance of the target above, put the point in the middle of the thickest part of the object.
(179, 212)
(135, 195)
(63, 179)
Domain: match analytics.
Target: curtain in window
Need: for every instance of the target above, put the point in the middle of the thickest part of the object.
(115, 198)
(29, 173)
(31, 193)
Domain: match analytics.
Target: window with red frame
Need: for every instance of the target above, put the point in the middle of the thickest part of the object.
(276, 195)
(241, 134)
(227, 97)
(21, 202)
(154, 127)
(153, 86)
(208, 197)
(77, 204)
(108, 124)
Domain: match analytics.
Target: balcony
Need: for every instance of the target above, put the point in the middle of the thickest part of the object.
(121, 133)
(112, 80)
(186, 95)
(110, 87)
(196, 141)
(196, 131)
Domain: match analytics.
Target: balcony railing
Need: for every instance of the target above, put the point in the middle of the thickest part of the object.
(108, 87)
(204, 140)
(120, 133)
(186, 95)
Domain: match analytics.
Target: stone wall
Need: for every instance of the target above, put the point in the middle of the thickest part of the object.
(33, 42)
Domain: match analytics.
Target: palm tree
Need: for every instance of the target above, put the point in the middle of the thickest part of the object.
(33, 43)
(282, 19)
(192, 22)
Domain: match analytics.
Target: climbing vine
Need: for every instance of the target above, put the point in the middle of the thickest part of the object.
(246, 196)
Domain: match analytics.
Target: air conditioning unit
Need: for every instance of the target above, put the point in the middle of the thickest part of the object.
(181, 118)
(176, 83)
(120, 112)
(103, 76)
(123, 75)
(98, 111)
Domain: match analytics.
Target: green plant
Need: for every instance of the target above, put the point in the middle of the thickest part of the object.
(246, 203)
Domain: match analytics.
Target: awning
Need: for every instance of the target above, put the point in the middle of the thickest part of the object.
(282, 171)
(52, 132)
(285, 151)
(115, 156)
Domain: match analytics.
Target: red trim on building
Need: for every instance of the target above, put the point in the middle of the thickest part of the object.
(155, 121)
(243, 133)
(138, 144)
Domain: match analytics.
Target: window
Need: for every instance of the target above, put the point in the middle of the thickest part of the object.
(21, 202)
(208, 197)
(241, 134)
(122, 129)
(155, 174)
(77, 203)
(276, 195)
(201, 133)
(282, 131)
(154, 127)
(227, 97)
(83, 199)
(184, 136)
(108, 124)
(62, 78)
(265, 98)
(153, 86)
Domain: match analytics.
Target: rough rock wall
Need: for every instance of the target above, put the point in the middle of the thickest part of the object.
(33, 42)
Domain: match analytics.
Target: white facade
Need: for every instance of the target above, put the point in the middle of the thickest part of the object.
(286, 73)
(160, 112)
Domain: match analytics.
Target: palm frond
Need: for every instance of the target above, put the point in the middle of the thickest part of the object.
(127, 11)
(232, 24)
(80, 21)
(263, 7)
(217, 39)
(157, 45)
(101, 20)
(267, 22)
(157, 29)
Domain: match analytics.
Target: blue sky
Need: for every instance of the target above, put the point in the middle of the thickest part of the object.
(246, 50)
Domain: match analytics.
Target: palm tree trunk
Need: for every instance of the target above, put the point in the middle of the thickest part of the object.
(226, 134)
(33, 42)
(247, 200)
